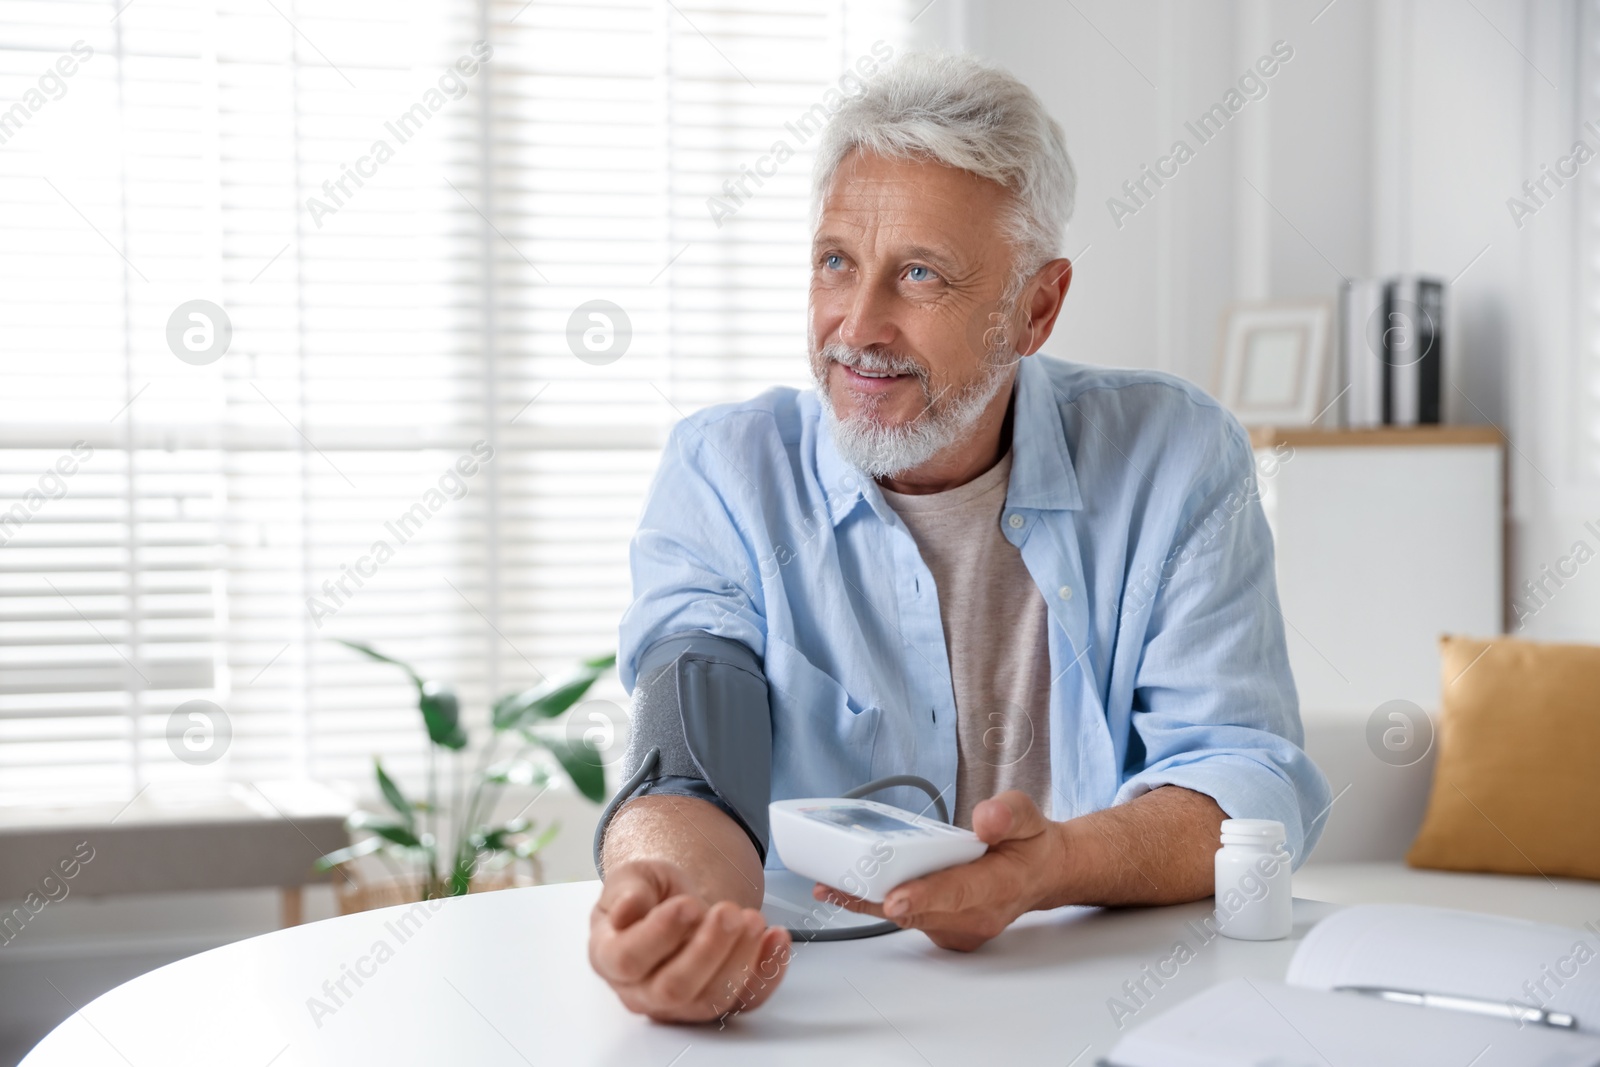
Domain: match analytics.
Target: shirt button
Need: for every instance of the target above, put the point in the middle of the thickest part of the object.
(1016, 522)
(1065, 592)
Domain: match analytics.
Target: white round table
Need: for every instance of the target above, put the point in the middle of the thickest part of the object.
(504, 978)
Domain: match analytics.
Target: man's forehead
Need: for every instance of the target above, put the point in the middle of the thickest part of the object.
(873, 183)
(918, 202)
(915, 237)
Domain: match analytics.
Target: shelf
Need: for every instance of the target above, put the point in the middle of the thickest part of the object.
(1382, 436)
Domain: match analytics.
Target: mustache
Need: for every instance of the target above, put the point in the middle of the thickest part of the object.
(874, 362)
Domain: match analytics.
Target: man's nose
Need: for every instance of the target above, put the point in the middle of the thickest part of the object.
(867, 319)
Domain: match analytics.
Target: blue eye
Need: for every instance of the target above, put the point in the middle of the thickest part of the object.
(926, 274)
(833, 260)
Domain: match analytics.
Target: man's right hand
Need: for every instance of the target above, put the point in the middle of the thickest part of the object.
(674, 957)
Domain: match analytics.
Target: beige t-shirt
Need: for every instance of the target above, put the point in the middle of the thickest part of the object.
(996, 630)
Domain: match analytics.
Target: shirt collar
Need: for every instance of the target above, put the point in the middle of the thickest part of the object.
(1042, 477)
(1041, 466)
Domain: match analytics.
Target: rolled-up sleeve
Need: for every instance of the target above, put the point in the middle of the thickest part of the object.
(1215, 708)
(692, 568)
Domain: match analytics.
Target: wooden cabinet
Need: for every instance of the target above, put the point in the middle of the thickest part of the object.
(1385, 539)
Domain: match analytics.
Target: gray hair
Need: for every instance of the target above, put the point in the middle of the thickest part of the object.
(963, 113)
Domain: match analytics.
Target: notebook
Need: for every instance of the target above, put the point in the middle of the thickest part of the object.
(1492, 968)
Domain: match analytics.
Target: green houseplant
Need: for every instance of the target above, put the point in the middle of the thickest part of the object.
(411, 838)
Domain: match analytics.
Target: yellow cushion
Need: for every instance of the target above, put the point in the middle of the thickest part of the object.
(1516, 787)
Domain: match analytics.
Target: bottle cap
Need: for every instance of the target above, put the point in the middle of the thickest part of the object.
(1265, 832)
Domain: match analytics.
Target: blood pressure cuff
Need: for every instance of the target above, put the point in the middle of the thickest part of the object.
(702, 701)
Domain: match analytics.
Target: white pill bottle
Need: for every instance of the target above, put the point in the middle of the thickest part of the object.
(1254, 898)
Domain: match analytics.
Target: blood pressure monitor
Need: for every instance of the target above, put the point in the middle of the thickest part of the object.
(860, 847)
(865, 848)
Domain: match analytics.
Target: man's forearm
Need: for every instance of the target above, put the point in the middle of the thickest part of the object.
(1157, 849)
(696, 836)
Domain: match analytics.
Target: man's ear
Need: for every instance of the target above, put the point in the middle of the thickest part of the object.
(1042, 301)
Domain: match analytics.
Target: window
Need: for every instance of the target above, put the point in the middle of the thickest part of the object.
(393, 418)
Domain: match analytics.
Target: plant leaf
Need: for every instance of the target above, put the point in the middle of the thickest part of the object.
(516, 772)
(544, 701)
(441, 714)
(493, 838)
(369, 651)
(397, 800)
(384, 828)
(580, 761)
(396, 833)
(461, 877)
(549, 699)
(441, 711)
(366, 846)
(529, 847)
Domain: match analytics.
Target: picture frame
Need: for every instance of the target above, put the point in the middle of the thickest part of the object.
(1273, 361)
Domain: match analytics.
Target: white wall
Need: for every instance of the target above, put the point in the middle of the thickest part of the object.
(1145, 293)
(1389, 142)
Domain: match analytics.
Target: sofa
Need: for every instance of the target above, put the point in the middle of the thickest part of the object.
(1360, 857)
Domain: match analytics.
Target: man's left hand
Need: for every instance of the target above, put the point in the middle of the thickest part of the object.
(962, 907)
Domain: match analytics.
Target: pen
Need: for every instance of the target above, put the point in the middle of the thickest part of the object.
(1475, 1005)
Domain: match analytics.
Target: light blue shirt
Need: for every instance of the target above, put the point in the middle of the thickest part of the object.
(1133, 500)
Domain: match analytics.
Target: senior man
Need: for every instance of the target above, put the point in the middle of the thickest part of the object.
(1045, 587)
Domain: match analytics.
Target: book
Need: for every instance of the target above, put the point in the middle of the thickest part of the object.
(1430, 357)
(1504, 993)
(1391, 351)
(1360, 353)
(1401, 381)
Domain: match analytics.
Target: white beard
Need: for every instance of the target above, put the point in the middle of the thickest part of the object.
(882, 451)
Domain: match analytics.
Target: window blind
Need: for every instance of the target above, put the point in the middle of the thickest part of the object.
(417, 435)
